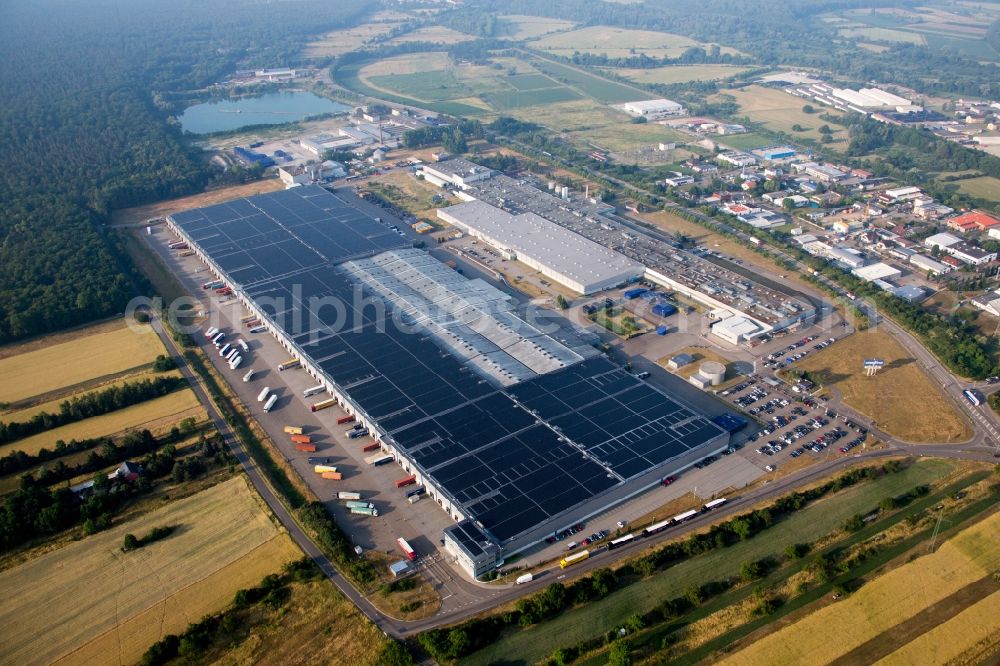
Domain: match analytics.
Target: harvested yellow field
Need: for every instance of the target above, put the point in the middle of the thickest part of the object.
(410, 63)
(144, 414)
(52, 406)
(887, 601)
(435, 34)
(83, 359)
(900, 398)
(128, 641)
(74, 595)
(969, 637)
(984, 187)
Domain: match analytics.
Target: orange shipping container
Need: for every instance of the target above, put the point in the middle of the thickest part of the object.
(406, 481)
(301, 439)
(374, 446)
(345, 419)
(336, 476)
(308, 448)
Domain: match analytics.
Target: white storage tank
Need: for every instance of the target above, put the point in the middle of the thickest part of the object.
(714, 371)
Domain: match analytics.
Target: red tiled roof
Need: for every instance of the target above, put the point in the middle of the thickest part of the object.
(975, 219)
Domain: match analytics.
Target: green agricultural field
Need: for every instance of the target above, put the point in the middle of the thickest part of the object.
(348, 77)
(885, 35)
(749, 141)
(985, 187)
(822, 518)
(531, 81)
(519, 27)
(433, 86)
(681, 73)
(602, 90)
(507, 100)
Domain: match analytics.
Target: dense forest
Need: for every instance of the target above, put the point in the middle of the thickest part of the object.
(80, 133)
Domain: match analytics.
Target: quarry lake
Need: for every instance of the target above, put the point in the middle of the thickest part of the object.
(270, 109)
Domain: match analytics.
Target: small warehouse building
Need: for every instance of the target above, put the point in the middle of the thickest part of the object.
(735, 330)
(561, 255)
(879, 271)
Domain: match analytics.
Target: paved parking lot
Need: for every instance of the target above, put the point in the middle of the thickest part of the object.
(793, 425)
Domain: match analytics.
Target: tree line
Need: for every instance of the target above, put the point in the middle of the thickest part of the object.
(35, 510)
(91, 404)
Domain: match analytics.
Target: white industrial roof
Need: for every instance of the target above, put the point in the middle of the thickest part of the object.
(648, 105)
(941, 240)
(549, 244)
(736, 327)
(879, 271)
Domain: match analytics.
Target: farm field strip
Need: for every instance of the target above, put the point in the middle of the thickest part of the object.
(65, 364)
(680, 73)
(52, 406)
(834, 630)
(619, 42)
(72, 595)
(435, 34)
(519, 26)
(779, 111)
(135, 416)
(806, 525)
(128, 641)
(971, 634)
(985, 187)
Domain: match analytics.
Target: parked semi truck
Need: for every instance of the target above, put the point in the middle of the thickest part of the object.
(313, 391)
(243, 345)
(319, 469)
(356, 504)
(301, 439)
(264, 392)
(347, 495)
(258, 329)
(354, 434)
(235, 362)
(365, 512)
(293, 430)
(323, 404)
(406, 548)
(210, 333)
(270, 403)
(245, 318)
(289, 364)
(406, 481)
(306, 448)
(345, 419)
(247, 377)
(374, 446)
(333, 476)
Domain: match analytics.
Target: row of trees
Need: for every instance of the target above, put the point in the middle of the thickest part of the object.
(36, 510)
(91, 404)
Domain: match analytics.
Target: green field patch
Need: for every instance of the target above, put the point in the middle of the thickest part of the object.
(348, 77)
(434, 86)
(749, 141)
(885, 35)
(984, 187)
(680, 73)
(600, 89)
(530, 81)
(813, 522)
(970, 47)
(503, 101)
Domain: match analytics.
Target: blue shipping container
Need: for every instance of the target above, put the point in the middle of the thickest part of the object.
(634, 293)
(664, 309)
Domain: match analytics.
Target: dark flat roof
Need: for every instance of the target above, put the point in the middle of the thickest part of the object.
(506, 457)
